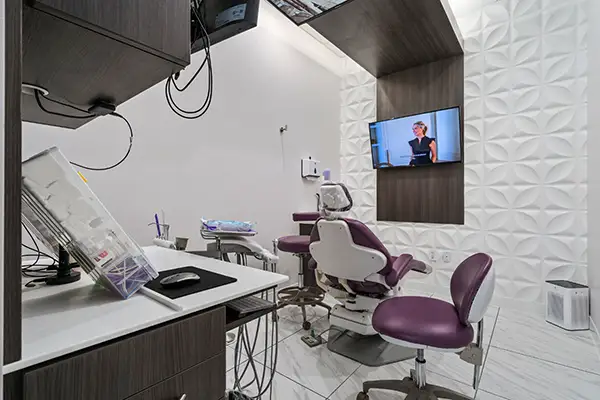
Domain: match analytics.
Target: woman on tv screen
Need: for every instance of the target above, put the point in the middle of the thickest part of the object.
(423, 148)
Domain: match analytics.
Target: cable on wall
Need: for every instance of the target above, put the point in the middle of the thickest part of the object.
(171, 82)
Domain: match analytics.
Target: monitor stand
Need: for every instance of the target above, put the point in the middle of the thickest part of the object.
(64, 272)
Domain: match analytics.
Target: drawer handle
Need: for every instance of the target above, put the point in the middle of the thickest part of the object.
(183, 397)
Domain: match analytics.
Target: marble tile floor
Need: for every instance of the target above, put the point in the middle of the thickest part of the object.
(525, 359)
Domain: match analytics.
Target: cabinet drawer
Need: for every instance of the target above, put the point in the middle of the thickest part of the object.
(205, 381)
(126, 367)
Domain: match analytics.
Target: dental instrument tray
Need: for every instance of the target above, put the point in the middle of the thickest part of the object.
(208, 280)
(211, 228)
(61, 210)
(226, 233)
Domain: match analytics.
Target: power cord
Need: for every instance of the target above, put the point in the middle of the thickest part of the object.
(28, 271)
(117, 115)
(104, 109)
(171, 80)
(36, 93)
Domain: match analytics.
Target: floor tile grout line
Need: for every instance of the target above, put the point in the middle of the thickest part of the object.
(287, 377)
(307, 388)
(487, 354)
(540, 358)
(279, 338)
(300, 384)
(345, 380)
(492, 393)
(548, 361)
(295, 381)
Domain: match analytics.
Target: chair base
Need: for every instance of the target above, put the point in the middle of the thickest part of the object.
(409, 387)
(302, 297)
(371, 351)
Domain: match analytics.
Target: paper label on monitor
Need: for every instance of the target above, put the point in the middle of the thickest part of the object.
(103, 256)
(234, 13)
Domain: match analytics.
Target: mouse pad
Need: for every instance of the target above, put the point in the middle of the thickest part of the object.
(208, 280)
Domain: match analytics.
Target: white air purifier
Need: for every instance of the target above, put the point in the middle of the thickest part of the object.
(568, 305)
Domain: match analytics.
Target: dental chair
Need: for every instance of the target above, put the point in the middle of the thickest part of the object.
(426, 323)
(302, 295)
(355, 267)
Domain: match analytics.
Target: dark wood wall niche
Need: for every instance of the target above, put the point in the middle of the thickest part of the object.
(411, 46)
(433, 194)
(386, 36)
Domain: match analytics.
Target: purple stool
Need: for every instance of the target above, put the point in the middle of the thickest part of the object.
(426, 323)
(301, 296)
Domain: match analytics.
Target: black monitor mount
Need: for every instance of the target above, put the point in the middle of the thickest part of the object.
(64, 273)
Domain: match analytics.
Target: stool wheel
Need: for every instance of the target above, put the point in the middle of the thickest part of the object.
(362, 396)
(306, 325)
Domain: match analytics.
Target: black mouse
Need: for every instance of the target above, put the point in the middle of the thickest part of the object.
(180, 280)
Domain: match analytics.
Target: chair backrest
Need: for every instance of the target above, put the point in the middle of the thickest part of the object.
(472, 286)
(335, 200)
(346, 249)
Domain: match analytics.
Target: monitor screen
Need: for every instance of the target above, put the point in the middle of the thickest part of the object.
(417, 140)
(301, 11)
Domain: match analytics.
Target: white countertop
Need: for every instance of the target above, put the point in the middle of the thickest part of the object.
(58, 320)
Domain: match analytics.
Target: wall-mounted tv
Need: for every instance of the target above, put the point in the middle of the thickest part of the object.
(417, 140)
(301, 11)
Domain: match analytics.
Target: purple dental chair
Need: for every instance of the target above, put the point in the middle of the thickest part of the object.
(354, 266)
(302, 295)
(427, 323)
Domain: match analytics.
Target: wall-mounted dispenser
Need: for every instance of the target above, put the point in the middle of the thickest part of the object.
(311, 169)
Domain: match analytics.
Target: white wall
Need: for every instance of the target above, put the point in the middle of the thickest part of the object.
(525, 148)
(594, 162)
(232, 163)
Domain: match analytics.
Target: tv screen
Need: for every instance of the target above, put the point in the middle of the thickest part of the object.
(417, 140)
(300, 11)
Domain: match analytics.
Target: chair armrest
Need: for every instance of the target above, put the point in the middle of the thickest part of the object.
(308, 216)
(421, 267)
(400, 267)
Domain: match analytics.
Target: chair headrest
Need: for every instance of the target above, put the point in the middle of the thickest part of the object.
(335, 199)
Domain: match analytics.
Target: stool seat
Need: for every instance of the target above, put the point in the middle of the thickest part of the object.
(294, 244)
(423, 321)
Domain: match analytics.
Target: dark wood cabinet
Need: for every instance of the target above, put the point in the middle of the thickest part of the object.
(110, 50)
(155, 26)
(205, 381)
(132, 365)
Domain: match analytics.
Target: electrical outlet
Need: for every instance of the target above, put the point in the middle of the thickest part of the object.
(433, 255)
(446, 257)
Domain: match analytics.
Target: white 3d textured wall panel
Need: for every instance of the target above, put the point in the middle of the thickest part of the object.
(525, 148)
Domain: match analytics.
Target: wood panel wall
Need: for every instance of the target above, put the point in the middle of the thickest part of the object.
(386, 36)
(12, 182)
(430, 194)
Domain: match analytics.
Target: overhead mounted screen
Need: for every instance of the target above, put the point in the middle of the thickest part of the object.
(301, 11)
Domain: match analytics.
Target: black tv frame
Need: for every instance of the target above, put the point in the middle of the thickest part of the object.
(460, 127)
